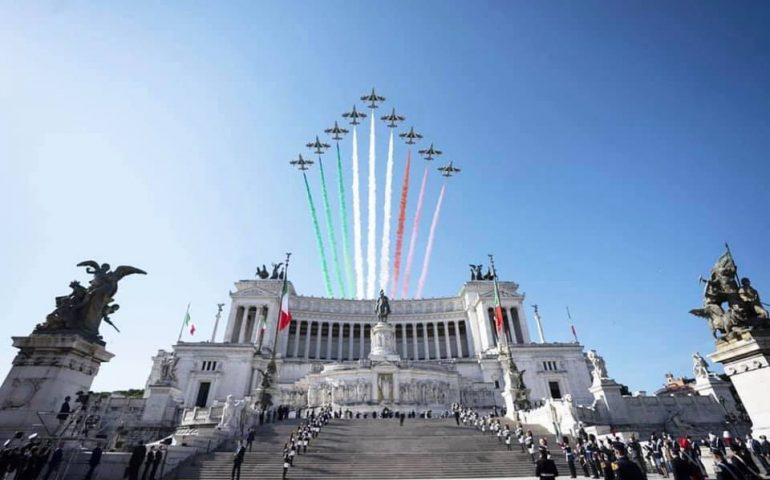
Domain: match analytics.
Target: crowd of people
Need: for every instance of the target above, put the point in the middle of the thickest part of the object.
(30, 461)
(613, 458)
(297, 443)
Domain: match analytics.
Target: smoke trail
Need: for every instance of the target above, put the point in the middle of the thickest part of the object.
(318, 241)
(401, 222)
(330, 230)
(358, 256)
(344, 222)
(385, 247)
(429, 246)
(371, 255)
(413, 239)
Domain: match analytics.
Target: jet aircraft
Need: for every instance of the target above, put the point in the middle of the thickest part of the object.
(336, 132)
(373, 98)
(430, 153)
(301, 163)
(392, 118)
(319, 146)
(448, 170)
(353, 115)
(410, 136)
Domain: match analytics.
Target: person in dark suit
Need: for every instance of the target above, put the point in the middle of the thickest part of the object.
(237, 461)
(148, 463)
(681, 468)
(94, 461)
(546, 468)
(722, 468)
(156, 463)
(624, 468)
(136, 460)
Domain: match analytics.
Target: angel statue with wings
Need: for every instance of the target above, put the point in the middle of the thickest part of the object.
(84, 309)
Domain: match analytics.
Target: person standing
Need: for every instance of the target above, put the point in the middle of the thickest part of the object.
(94, 461)
(546, 468)
(569, 456)
(401, 419)
(148, 463)
(285, 467)
(722, 468)
(681, 469)
(237, 461)
(64, 411)
(250, 438)
(156, 463)
(624, 468)
(54, 463)
(136, 460)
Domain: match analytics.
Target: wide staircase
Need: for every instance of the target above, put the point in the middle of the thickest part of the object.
(379, 449)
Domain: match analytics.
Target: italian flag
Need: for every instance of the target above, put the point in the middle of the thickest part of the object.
(498, 308)
(284, 318)
(188, 321)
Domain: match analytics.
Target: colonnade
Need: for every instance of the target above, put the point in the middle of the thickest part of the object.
(511, 325)
(339, 341)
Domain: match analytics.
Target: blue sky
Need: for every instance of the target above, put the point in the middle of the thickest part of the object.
(609, 149)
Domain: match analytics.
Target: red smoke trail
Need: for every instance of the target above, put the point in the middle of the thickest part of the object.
(401, 222)
(413, 240)
(429, 247)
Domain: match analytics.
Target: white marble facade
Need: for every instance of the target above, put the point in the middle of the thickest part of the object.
(445, 344)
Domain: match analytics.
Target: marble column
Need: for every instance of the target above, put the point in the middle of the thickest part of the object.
(363, 331)
(403, 342)
(425, 340)
(329, 332)
(459, 341)
(339, 341)
(435, 340)
(297, 337)
(446, 340)
(415, 356)
(244, 324)
(307, 339)
(318, 341)
(351, 330)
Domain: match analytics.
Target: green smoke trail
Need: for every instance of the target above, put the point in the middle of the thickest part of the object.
(344, 220)
(318, 241)
(330, 229)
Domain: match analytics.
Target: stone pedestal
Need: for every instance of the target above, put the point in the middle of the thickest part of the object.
(716, 388)
(47, 368)
(161, 402)
(383, 340)
(606, 392)
(747, 362)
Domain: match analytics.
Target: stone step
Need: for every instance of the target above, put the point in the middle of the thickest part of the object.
(377, 449)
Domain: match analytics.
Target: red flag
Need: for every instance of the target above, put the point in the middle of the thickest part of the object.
(284, 318)
(498, 307)
(192, 329)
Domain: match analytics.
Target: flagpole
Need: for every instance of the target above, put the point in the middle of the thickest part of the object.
(184, 319)
(572, 326)
(278, 318)
(501, 332)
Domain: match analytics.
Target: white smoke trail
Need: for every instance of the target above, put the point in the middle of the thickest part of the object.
(357, 254)
(429, 247)
(385, 248)
(371, 255)
(413, 239)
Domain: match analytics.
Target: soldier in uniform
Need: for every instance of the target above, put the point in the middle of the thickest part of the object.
(546, 468)
(722, 468)
(624, 468)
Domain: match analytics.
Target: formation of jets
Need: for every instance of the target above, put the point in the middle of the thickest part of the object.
(448, 170)
(353, 115)
(430, 153)
(354, 118)
(392, 118)
(373, 98)
(318, 146)
(301, 163)
(410, 136)
(336, 132)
